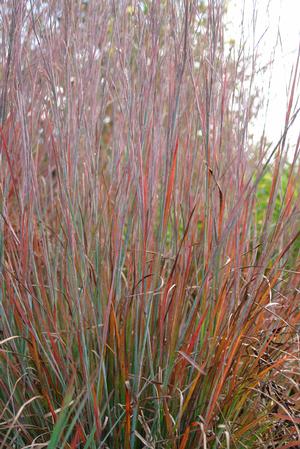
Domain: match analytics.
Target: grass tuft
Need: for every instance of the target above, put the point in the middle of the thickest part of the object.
(149, 251)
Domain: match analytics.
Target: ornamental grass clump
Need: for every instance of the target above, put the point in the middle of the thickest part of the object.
(149, 248)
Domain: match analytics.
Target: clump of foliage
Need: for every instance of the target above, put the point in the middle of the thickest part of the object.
(149, 257)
